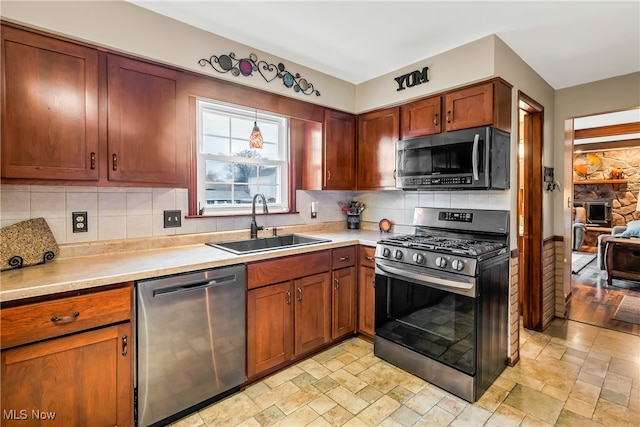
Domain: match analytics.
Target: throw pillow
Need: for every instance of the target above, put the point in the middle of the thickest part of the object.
(633, 229)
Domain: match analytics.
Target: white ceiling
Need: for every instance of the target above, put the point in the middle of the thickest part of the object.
(566, 42)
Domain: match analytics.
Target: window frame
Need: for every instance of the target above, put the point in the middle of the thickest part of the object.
(283, 164)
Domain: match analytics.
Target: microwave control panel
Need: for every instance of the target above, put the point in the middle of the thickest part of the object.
(439, 181)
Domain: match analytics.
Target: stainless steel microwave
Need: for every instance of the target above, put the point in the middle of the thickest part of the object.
(469, 159)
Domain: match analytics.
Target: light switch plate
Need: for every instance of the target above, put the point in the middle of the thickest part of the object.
(172, 219)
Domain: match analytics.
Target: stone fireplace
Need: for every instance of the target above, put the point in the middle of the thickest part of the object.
(601, 186)
(599, 212)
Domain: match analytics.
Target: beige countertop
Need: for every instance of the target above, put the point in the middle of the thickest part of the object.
(77, 273)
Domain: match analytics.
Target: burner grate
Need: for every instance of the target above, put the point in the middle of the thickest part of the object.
(444, 244)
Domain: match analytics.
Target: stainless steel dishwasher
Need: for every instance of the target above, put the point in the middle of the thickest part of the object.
(190, 348)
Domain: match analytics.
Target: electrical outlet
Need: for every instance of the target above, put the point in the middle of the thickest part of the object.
(79, 222)
(172, 219)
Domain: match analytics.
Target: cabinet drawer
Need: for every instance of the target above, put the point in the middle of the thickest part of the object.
(367, 254)
(282, 269)
(343, 257)
(34, 322)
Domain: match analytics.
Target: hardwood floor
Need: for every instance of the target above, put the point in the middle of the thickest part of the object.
(594, 302)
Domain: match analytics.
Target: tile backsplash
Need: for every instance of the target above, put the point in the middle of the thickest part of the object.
(126, 213)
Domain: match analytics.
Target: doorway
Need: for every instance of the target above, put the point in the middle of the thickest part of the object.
(530, 146)
(611, 139)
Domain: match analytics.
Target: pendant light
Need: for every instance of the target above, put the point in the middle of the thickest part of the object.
(255, 140)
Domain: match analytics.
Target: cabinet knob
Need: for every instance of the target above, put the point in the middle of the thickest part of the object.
(368, 258)
(115, 162)
(299, 294)
(288, 299)
(125, 345)
(337, 287)
(344, 258)
(448, 116)
(436, 118)
(93, 160)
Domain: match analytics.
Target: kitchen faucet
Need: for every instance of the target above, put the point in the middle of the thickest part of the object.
(254, 225)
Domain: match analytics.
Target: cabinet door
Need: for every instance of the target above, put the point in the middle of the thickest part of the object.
(77, 380)
(366, 295)
(339, 151)
(420, 118)
(378, 132)
(146, 123)
(343, 319)
(49, 108)
(269, 327)
(469, 107)
(312, 312)
(366, 290)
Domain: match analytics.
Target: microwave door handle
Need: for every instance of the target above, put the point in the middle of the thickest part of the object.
(475, 156)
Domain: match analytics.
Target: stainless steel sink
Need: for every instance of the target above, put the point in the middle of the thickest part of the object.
(240, 247)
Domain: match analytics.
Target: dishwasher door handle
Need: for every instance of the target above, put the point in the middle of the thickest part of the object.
(186, 287)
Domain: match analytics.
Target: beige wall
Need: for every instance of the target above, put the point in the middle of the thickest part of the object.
(446, 71)
(523, 78)
(618, 93)
(127, 28)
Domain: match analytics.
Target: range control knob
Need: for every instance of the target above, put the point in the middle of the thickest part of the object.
(441, 262)
(418, 258)
(386, 252)
(397, 254)
(457, 264)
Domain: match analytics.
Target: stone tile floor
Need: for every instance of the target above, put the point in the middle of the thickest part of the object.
(572, 374)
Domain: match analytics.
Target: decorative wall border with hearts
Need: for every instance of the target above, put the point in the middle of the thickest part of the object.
(269, 72)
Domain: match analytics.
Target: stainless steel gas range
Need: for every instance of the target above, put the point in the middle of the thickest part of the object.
(442, 298)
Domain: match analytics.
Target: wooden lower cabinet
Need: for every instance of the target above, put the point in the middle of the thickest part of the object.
(269, 327)
(77, 380)
(312, 320)
(343, 319)
(366, 290)
(286, 320)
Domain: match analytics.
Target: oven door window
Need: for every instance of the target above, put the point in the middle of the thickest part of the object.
(435, 323)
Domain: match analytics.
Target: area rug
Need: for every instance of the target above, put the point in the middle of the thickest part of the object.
(628, 310)
(580, 260)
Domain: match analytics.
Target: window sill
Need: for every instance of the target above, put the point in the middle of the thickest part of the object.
(235, 215)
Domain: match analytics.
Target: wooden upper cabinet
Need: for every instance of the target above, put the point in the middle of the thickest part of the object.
(422, 117)
(378, 132)
(49, 108)
(487, 104)
(339, 151)
(147, 124)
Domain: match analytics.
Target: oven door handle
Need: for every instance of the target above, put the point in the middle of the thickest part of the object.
(424, 278)
(476, 156)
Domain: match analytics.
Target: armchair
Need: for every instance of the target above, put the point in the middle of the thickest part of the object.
(579, 228)
(618, 229)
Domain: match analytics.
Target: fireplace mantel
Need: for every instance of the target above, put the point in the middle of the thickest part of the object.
(601, 181)
(614, 182)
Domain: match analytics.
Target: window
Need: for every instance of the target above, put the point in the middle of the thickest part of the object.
(230, 173)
